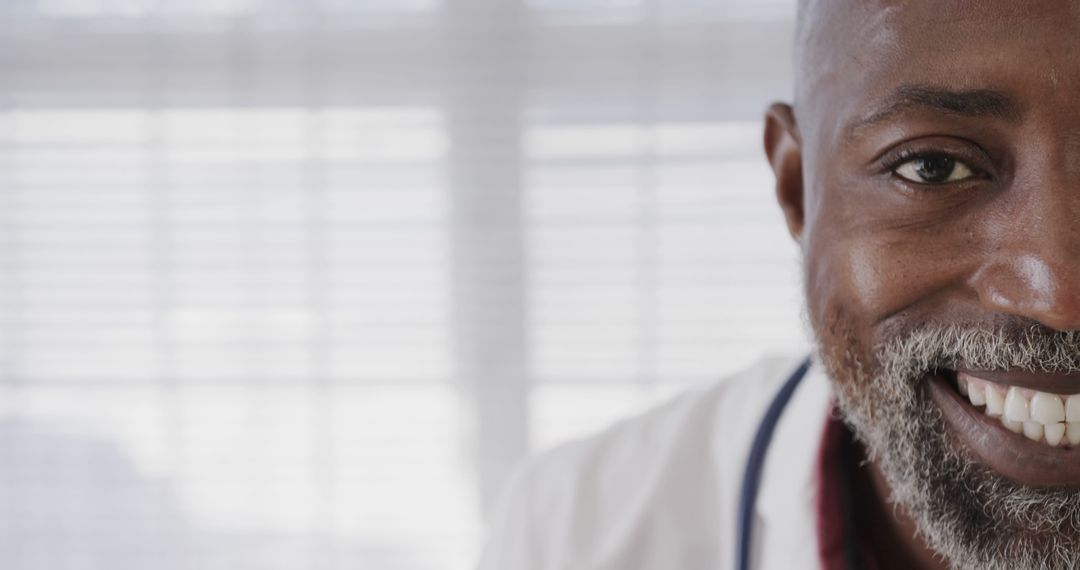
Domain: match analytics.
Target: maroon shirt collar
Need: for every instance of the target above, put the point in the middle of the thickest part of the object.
(841, 545)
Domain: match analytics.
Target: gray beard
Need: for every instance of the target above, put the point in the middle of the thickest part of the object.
(973, 517)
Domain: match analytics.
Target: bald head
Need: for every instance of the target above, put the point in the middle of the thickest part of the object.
(830, 36)
(836, 40)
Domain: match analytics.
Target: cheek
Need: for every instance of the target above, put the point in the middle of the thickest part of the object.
(881, 278)
(868, 282)
(835, 278)
(850, 278)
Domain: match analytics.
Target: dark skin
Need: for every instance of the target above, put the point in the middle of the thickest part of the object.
(930, 171)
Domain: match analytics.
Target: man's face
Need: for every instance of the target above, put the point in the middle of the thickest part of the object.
(942, 161)
(938, 208)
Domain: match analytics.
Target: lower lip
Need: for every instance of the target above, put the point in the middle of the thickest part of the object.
(1010, 454)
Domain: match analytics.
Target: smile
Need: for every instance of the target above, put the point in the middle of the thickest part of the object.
(1041, 416)
(1025, 426)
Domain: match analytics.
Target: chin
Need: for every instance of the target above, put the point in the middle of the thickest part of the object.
(982, 493)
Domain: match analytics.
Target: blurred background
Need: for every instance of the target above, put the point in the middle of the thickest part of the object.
(294, 284)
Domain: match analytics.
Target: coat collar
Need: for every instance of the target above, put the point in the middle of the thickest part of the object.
(787, 535)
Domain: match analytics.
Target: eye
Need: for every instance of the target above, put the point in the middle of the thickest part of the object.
(933, 169)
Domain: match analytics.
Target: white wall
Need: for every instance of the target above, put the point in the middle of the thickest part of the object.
(294, 284)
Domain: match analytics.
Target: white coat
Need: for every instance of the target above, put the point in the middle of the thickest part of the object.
(661, 491)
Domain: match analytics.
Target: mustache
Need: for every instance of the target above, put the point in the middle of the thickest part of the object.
(1009, 345)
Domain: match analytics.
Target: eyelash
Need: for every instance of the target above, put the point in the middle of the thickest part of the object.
(893, 160)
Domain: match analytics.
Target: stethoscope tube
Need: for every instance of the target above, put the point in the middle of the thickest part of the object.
(755, 463)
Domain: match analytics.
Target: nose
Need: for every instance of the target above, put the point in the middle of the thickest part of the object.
(1032, 265)
(1042, 286)
(1029, 251)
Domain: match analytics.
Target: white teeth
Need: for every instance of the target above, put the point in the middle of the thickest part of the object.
(1045, 417)
(1014, 426)
(995, 402)
(1047, 408)
(1016, 406)
(1054, 433)
(977, 397)
(1072, 408)
(1033, 430)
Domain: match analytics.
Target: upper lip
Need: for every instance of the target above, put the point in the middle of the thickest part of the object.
(1054, 383)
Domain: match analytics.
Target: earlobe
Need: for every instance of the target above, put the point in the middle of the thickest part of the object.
(784, 149)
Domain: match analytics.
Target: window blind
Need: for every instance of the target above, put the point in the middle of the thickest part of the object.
(277, 278)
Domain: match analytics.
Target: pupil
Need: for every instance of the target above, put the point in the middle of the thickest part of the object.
(935, 168)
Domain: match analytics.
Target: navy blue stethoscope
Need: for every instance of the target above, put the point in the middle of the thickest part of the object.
(752, 479)
(751, 482)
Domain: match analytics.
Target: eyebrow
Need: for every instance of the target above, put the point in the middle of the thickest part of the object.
(969, 103)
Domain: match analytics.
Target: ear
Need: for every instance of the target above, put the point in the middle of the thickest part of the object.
(783, 146)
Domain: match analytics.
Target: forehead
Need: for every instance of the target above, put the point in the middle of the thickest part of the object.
(855, 53)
